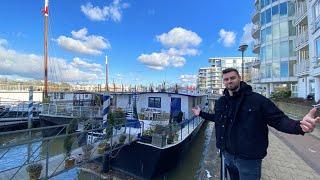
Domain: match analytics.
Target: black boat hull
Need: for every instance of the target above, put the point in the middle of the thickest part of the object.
(146, 161)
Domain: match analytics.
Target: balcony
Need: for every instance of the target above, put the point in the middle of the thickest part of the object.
(301, 13)
(256, 63)
(302, 40)
(255, 32)
(303, 67)
(256, 47)
(315, 62)
(256, 17)
(255, 79)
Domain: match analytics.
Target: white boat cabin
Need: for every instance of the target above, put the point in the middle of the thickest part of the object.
(153, 105)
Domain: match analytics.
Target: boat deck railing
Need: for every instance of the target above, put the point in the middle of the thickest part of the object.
(68, 110)
(163, 134)
(31, 148)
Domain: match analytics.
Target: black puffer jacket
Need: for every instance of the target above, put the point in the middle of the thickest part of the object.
(249, 123)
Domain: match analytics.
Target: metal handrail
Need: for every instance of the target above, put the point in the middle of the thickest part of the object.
(47, 140)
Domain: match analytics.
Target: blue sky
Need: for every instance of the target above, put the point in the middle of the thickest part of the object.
(146, 41)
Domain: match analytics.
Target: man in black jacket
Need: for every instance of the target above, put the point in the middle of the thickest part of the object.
(241, 121)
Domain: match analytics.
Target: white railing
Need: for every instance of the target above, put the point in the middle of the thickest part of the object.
(70, 110)
(301, 39)
(315, 62)
(256, 63)
(301, 11)
(303, 67)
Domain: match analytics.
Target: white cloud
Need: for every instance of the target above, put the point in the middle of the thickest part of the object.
(120, 76)
(179, 37)
(181, 52)
(155, 61)
(30, 66)
(180, 42)
(82, 43)
(79, 63)
(3, 42)
(177, 61)
(247, 37)
(188, 78)
(227, 38)
(111, 12)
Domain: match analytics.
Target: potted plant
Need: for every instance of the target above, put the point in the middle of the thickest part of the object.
(103, 146)
(122, 139)
(170, 139)
(68, 142)
(87, 151)
(34, 170)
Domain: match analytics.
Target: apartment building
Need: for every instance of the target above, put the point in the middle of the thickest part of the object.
(275, 34)
(210, 78)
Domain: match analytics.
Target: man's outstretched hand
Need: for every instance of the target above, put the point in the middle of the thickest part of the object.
(196, 110)
(309, 121)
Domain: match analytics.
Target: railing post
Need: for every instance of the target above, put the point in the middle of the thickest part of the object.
(30, 114)
(181, 131)
(193, 122)
(188, 126)
(129, 134)
(47, 159)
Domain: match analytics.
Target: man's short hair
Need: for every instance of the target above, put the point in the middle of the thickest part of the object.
(225, 71)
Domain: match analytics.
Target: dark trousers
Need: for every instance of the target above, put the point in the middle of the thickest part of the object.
(242, 169)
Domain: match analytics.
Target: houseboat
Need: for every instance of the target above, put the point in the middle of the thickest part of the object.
(169, 128)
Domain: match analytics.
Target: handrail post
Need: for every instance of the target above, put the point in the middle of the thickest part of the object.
(188, 125)
(47, 159)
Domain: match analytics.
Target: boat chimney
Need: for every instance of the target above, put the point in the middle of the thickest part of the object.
(107, 81)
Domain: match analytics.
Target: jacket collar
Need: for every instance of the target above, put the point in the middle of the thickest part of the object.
(244, 89)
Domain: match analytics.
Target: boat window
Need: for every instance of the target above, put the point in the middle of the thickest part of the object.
(154, 102)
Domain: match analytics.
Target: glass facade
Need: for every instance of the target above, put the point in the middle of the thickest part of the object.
(277, 52)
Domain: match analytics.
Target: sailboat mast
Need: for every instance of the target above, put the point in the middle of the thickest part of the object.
(46, 14)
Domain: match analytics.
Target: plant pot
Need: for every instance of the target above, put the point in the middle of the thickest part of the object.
(100, 150)
(34, 171)
(69, 163)
(86, 155)
(34, 175)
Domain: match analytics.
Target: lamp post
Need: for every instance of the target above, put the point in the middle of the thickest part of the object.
(242, 48)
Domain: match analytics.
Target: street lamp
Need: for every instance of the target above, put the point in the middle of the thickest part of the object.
(242, 48)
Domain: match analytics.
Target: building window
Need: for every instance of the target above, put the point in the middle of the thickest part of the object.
(268, 16)
(268, 70)
(263, 18)
(292, 28)
(292, 51)
(61, 95)
(276, 70)
(275, 31)
(276, 50)
(284, 49)
(292, 68)
(269, 52)
(291, 9)
(283, 9)
(284, 69)
(268, 34)
(154, 102)
(275, 12)
(284, 29)
(318, 52)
